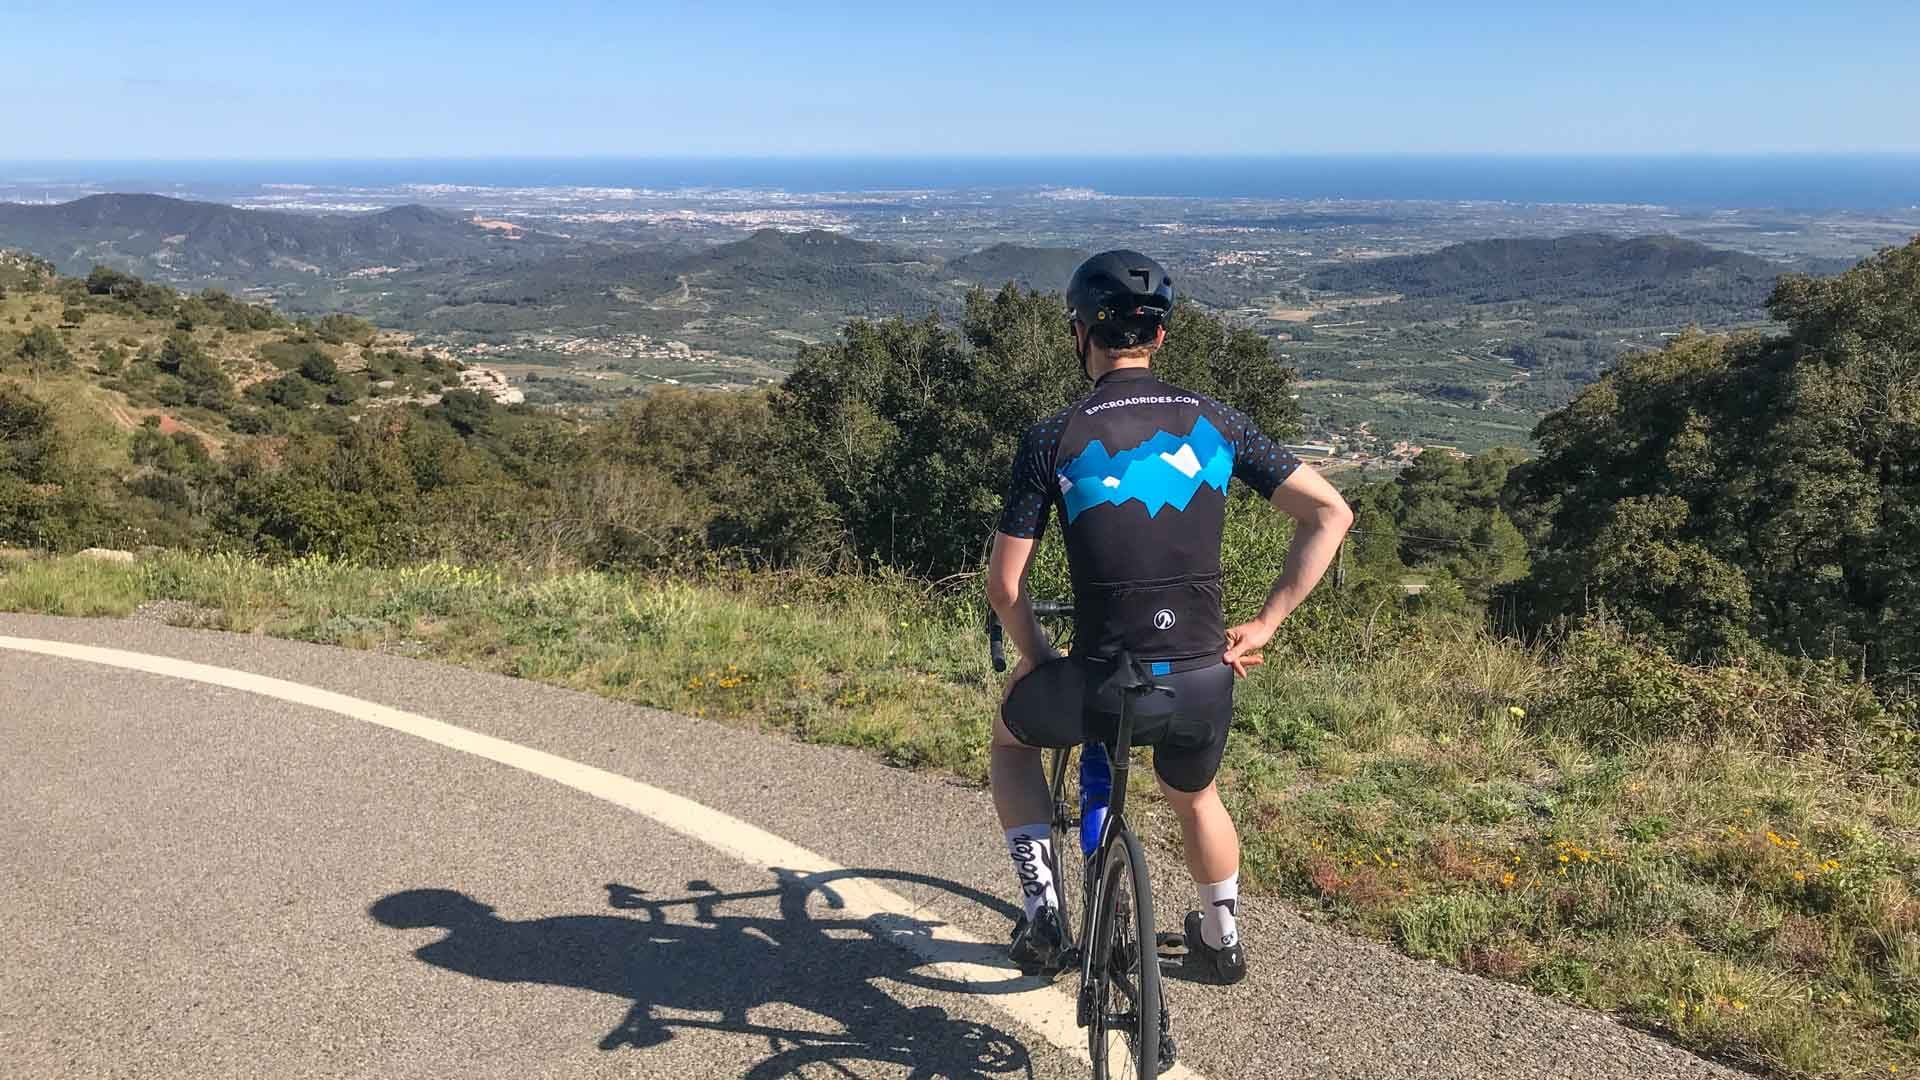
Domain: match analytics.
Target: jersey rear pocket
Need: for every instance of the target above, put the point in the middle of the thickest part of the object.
(1161, 620)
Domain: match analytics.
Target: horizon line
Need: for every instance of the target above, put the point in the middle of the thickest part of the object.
(1427, 155)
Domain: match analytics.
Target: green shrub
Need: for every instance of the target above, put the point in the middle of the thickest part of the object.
(1617, 690)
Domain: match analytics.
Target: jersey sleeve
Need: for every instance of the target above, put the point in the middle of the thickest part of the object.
(1031, 491)
(1258, 461)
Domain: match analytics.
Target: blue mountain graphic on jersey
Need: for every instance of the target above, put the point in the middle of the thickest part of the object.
(1166, 470)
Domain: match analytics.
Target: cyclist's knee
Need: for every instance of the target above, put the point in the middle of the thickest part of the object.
(1190, 804)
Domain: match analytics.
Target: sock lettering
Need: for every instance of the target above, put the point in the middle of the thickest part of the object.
(1027, 867)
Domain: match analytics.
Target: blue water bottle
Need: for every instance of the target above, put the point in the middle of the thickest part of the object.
(1096, 785)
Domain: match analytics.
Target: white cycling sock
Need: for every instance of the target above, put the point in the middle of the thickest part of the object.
(1031, 846)
(1219, 903)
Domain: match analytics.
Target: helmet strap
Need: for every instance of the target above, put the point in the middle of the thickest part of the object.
(1083, 348)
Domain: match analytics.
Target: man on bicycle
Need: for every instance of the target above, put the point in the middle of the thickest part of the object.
(1139, 470)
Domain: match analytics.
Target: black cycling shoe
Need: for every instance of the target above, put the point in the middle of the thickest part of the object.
(1039, 947)
(1223, 967)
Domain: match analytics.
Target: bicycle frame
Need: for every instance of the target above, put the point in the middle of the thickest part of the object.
(1093, 887)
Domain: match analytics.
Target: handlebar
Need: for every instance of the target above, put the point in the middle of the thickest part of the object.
(996, 645)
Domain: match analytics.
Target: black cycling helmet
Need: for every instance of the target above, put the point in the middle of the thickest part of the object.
(1121, 297)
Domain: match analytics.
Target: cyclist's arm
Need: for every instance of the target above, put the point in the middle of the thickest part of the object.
(1321, 518)
(1023, 519)
(1007, 593)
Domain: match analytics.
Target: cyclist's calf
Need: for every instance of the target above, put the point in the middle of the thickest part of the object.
(1208, 838)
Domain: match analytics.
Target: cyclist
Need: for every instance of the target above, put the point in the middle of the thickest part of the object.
(1139, 470)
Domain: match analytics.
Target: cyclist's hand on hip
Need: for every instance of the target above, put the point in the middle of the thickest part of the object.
(1244, 643)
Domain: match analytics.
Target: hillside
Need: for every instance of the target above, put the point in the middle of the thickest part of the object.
(1473, 343)
(442, 271)
(769, 287)
(1043, 268)
(1579, 265)
(183, 241)
(120, 400)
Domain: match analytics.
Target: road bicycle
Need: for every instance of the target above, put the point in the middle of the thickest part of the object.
(1120, 1002)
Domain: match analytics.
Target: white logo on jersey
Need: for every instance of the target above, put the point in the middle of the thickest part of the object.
(1163, 619)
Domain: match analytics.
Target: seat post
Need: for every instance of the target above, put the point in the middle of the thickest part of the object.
(1120, 757)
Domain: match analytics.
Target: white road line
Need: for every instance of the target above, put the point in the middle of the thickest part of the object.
(1038, 1007)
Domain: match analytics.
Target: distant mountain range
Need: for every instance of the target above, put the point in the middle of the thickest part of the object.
(443, 271)
(429, 270)
(1581, 264)
(1042, 268)
(179, 240)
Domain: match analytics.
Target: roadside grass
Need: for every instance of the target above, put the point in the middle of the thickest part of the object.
(1730, 857)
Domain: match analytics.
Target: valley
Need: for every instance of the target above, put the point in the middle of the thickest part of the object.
(1455, 323)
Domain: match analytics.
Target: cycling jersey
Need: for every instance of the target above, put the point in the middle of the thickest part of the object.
(1139, 470)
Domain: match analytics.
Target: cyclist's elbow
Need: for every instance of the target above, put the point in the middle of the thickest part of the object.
(1336, 515)
(1002, 593)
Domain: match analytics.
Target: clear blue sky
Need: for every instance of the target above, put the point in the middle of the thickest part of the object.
(344, 79)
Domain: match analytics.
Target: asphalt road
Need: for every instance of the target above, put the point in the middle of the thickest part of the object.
(199, 881)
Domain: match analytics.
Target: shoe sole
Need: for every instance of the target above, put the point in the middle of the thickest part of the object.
(1044, 971)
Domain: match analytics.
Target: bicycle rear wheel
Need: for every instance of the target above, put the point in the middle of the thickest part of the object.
(1124, 1036)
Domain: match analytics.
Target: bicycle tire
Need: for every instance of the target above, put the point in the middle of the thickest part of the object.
(1066, 839)
(1125, 967)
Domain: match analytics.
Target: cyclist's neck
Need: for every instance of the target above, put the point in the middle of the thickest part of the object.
(1123, 371)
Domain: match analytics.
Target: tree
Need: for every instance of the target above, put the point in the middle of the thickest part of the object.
(36, 506)
(318, 367)
(1750, 486)
(908, 428)
(43, 348)
(106, 281)
(29, 439)
(206, 384)
(175, 351)
(287, 391)
(468, 411)
(1443, 515)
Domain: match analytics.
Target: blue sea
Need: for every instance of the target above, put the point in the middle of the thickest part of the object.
(1802, 182)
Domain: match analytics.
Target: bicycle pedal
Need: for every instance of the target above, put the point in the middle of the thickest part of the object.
(1170, 946)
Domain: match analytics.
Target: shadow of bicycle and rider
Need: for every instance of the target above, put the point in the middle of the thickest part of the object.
(738, 968)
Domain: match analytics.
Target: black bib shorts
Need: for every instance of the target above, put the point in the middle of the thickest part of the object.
(1061, 704)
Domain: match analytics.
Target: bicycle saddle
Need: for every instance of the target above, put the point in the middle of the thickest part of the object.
(1130, 676)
